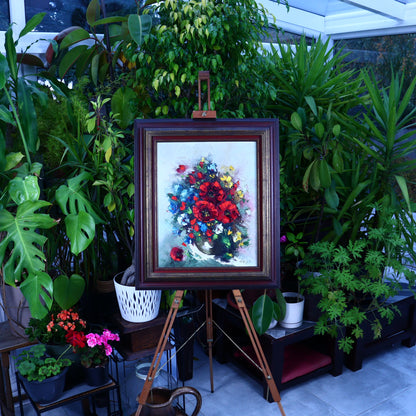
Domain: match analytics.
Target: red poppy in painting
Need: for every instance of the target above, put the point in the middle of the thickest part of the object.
(192, 179)
(228, 212)
(205, 211)
(176, 254)
(181, 169)
(212, 192)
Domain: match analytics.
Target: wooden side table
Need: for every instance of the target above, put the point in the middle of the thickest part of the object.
(8, 342)
(293, 355)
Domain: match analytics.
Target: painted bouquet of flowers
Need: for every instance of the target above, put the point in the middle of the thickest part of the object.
(209, 210)
(94, 348)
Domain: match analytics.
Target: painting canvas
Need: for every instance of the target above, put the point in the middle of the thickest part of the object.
(206, 203)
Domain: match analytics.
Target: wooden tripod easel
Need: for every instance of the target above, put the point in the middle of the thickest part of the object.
(210, 335)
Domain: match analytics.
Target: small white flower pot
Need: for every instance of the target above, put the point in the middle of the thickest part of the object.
(294, 310)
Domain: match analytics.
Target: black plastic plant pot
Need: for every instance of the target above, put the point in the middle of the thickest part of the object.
(46, 391)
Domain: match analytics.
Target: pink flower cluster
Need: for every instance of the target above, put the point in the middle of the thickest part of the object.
(94, 339)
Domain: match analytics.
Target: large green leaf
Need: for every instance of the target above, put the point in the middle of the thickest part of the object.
(11, 53)
(22, 243)
(71, 57)
(80, 229)
(139, 26)
(27, 114)
(93, 12)
(6, 115)
(38, 291)
(32, 23)
(4, 71)
(26, 189)
(262, 313)
(72, 198)
(68, 291)
(123, 104)
(75, 36)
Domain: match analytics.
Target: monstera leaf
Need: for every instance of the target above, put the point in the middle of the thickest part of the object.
(80, 229)
(81, 217)
(22, 244)
(68, 291)
(38, 291)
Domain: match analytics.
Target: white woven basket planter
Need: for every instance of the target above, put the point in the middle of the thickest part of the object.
(137, 305)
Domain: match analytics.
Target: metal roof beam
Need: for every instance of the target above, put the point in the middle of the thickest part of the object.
(295, 19)
(392, 9)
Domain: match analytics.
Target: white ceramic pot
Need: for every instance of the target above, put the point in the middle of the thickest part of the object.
(294, 310)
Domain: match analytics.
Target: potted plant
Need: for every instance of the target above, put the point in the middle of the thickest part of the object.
(42, 376)
(53, 328)
(95, 349)
(355, 281)
(24, 216)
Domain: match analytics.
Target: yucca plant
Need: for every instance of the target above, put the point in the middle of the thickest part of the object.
(315, 93)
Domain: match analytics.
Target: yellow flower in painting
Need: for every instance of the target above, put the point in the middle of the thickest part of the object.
(229, 232)
(237, 236)
(228, 182)
(240, 194)
(231, 169)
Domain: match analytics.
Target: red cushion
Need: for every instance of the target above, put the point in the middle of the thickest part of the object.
(298, 360)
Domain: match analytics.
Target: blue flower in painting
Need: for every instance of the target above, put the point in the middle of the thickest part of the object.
(203, 227)
(173, 207)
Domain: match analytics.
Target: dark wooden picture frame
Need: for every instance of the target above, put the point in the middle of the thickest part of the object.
(207, 204)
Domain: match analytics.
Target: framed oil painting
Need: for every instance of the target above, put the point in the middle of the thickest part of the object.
(207, 204)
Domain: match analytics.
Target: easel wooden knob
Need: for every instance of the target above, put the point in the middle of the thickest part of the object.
(200, 113)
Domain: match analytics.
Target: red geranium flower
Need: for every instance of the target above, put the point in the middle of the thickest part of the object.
(205, 211)
(212, 192)
(228, 212)
(176, 254)
(76, 338)
(181, 169)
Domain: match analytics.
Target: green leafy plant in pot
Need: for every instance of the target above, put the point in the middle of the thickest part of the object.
(42, 376)
(355, 281)
(24, 217)
(265, 311)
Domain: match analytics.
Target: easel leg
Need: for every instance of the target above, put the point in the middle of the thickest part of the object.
(210, 333)
(159, 350)
(258, 349)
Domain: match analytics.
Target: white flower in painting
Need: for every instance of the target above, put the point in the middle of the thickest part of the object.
(183, 219)
(218, 229)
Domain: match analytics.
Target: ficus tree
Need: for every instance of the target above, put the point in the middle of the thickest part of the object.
(224, 38)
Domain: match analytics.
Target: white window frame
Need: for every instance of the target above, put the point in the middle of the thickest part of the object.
(39, 41)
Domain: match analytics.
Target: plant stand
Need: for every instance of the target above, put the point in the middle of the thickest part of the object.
(295, 355)
(77, 393)
(401, 329)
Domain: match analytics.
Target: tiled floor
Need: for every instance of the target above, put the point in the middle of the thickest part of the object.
(385, 386)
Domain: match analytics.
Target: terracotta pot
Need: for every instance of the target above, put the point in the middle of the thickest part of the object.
(104, 286)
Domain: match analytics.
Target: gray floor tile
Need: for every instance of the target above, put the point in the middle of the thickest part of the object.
(385, 386)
